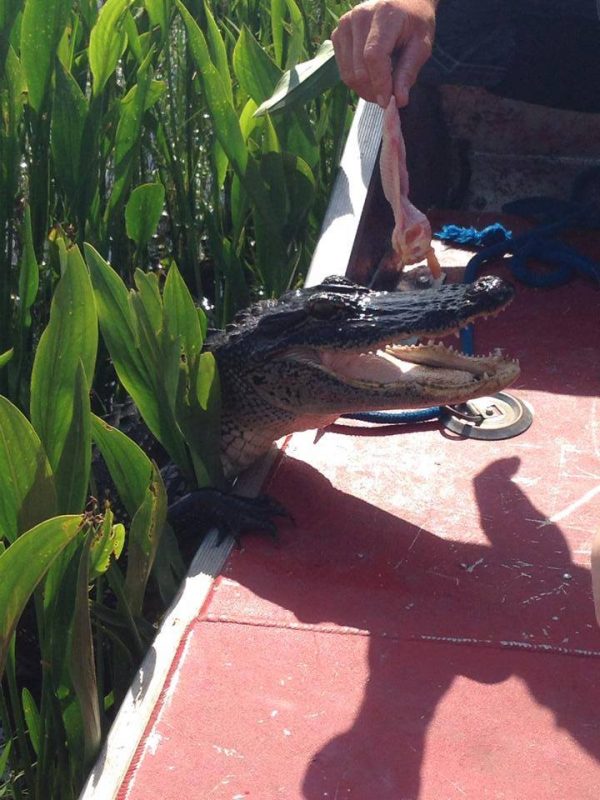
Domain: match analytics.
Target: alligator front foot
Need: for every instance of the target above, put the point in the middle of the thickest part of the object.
(231, 514)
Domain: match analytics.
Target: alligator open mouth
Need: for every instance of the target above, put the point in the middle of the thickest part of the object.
(430, 364)
(396, 373)
(426, 364)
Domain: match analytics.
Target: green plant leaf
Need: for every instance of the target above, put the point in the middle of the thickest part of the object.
(107, 543)
(57, 600)
(159, 12)
(225, 120)
(257, 73)
(199, 416)
(81, 661)
(28, 494)
(218, 54)
(127, 139)
(42, 27)
(17, 90)
(207, 384)
(304, 82)
(119, 331)
(295, 47)
(9, 9)
(72, 725)
(248, 121)
(291, 181)
(218, 51)
(277, 29)
(161, 355)
(57, 390)
(226, 123)
(28, 273)
(229, 269)
(144, 536)
(89, 12)
(69, 113)
(4, 756)
(140, 359)
(108, 41)
(24, 564)
(134, 40)
(142, 212)
(169, 568)
(129, 467)
(149, 293)
(72, 473)
(182, 320)
(32, 718)
(299, 185)
(6, 356)
(133, 106)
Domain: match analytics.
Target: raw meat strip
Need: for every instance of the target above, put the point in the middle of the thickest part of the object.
(411, 238)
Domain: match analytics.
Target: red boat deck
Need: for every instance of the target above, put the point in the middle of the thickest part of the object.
(425, 630)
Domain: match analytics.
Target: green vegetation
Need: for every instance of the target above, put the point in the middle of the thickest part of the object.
(59, 542)
(128, 135)
(133, 128)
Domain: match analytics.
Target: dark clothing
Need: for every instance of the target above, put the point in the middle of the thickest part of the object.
(540, 51)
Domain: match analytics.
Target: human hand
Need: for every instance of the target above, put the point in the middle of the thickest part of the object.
(370, 34)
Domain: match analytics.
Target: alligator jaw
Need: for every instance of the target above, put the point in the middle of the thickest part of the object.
(430, 369)
(403, 375)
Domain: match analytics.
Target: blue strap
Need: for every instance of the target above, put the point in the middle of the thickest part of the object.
(397, 417)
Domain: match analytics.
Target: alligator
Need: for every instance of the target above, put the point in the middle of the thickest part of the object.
(301, 361)
(316, 353)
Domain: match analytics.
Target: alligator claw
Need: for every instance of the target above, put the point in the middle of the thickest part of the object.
(232, 514)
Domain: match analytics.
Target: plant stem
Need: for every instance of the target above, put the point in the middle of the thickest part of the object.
(6, 726)
(115, 581)
(17, 713)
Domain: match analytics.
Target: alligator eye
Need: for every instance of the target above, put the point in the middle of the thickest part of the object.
(340, 284)
(276, 323)
(324, 307)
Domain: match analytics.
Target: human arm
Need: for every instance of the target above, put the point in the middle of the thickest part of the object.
(372, 34)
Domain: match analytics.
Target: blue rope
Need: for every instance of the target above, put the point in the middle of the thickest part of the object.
(536, 244)
(498, 241)
(493, 234)
(397, 417)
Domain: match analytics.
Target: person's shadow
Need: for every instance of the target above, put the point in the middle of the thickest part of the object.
(495, 602)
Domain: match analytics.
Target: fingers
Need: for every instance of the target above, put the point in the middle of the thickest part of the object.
(367, 39)
(349, 40)
(388, 32)
(343, 48)
(412, 58)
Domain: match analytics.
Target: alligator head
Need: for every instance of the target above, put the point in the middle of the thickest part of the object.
(301, 361)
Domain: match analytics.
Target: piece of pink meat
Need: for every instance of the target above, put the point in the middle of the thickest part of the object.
(411, 238)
